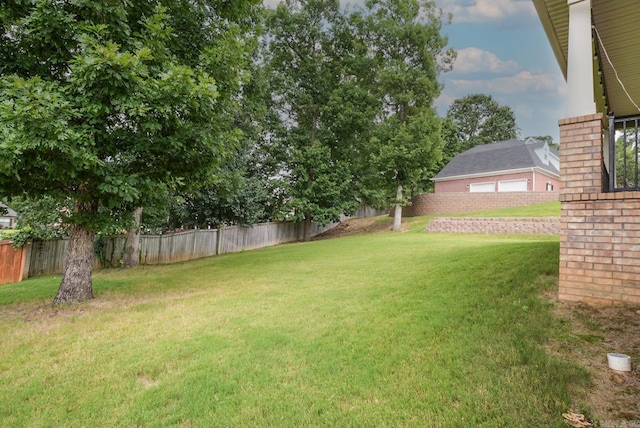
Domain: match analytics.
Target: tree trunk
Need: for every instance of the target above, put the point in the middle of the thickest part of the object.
(397, 215)
(307, 227)
(131, 257)
(76, 285)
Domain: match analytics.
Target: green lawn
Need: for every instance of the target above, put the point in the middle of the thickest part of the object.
(374, 330)
(547, 209)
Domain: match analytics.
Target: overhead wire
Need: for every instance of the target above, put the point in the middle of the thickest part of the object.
(606, 54)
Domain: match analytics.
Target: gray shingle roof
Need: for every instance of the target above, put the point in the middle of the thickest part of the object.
(10, 212)
(496, 157)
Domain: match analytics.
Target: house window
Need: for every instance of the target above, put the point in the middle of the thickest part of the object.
(482, 187)
(549, 187)
(513, 185)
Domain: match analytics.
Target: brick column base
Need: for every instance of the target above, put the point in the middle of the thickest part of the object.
(599, 232)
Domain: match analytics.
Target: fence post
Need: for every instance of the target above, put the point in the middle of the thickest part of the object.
(26, 259)
(219, 240)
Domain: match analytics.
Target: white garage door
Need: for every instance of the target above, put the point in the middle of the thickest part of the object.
(512, 185)
(483, 187)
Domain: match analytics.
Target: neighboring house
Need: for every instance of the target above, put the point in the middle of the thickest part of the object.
(504, 166)
(596, 44)
(8, 219)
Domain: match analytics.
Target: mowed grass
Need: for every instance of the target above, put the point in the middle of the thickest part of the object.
(547, 209)
(384, 329)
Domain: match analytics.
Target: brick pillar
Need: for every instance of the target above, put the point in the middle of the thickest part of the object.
(599, 232)
(580, 178)
(581, 156)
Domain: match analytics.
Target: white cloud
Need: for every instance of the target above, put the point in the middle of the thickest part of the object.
(474, 60)
(443, 102)
(486, 10)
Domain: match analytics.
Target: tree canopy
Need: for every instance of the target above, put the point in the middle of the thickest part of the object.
(114, 103)
(479, 119)
(354, 90)
(314, 94)
(407, 52)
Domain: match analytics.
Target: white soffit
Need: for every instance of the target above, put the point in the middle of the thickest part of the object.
(616, 22)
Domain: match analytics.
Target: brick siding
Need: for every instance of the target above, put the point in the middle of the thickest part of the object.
(600, 232)
(534, 226)
(536, 178)
(455, 203)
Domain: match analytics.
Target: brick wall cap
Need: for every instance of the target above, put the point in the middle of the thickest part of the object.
(579, 119)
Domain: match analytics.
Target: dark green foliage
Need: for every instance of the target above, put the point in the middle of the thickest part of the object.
(318, 103)
(242, 193)
(479, 119)
(113, 104)
(352, 92)
(42, 219)
(406, 54)
(627, 174)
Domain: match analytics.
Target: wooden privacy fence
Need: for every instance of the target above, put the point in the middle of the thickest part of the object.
(46, 257)
(12, 262)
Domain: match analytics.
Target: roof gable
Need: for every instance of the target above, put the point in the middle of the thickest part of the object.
(10, 212)
(499, 156)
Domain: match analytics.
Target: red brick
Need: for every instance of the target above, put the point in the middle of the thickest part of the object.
(579, 226)
(626, 276)
(601, 274)
(595, 259)
(627, 298)
(578, 265)
(570, 297)
(598, 246)
(578, 252)
(607, 267)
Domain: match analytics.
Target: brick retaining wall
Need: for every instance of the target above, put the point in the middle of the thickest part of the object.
(535, 226)
(456, 203)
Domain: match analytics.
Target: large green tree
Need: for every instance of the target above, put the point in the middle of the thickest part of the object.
(321, 106)
(408, 53)
(113, 103)
(242, 192)
(480, 119)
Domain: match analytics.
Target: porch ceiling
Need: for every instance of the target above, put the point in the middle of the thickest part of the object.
(616, 23)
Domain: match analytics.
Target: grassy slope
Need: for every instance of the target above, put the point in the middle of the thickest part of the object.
(548, 209)
(374, 330)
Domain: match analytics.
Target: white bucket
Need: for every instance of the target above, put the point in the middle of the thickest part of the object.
(620, 362)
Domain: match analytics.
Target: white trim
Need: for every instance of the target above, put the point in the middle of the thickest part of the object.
(492, 183)
(580, 90)
(517, 180)
(504, 172)
(547, 173)
(533, 180)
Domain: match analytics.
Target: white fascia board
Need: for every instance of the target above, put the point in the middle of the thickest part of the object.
(489, 174)
(547, 173)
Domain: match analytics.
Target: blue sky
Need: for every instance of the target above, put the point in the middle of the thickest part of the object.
(502, 51)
